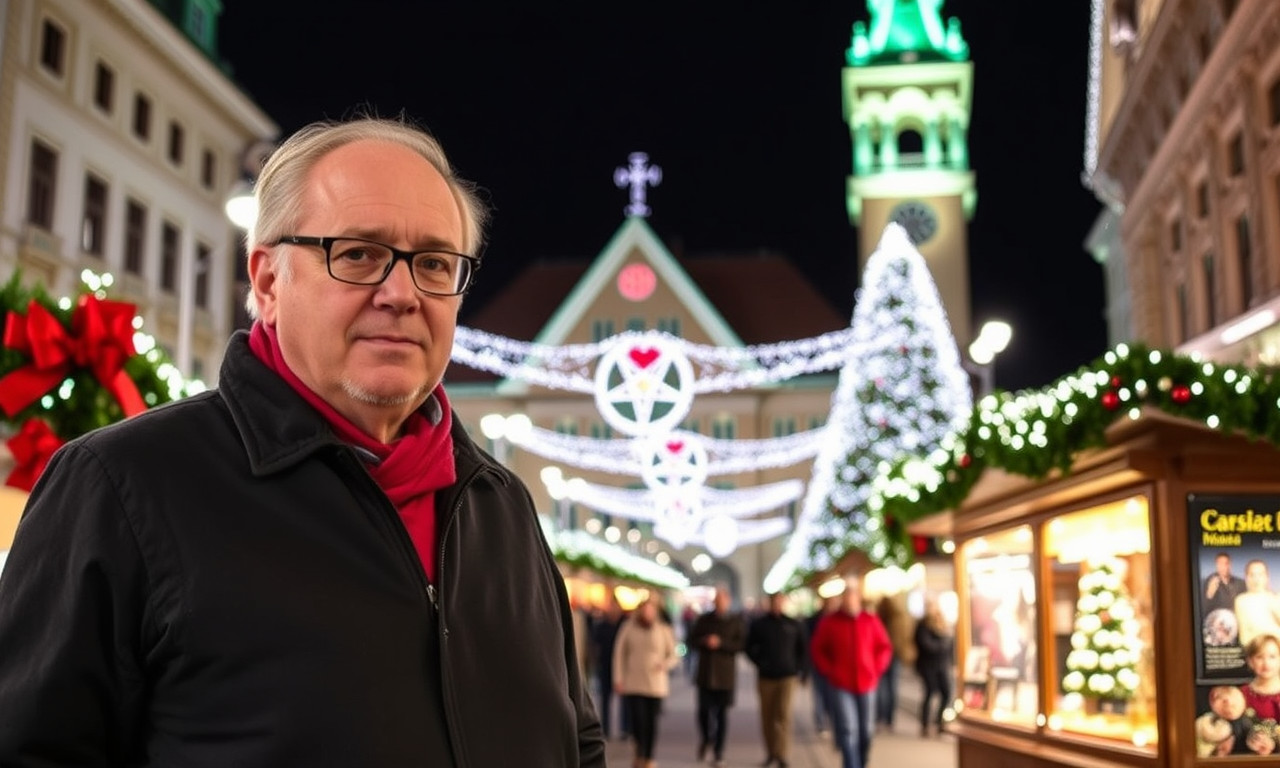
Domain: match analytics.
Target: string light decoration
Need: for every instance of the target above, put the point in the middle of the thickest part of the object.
(619, 456)
(648, 505)
(72, 365)
(581, 549)
(905, 395)
(716, 369)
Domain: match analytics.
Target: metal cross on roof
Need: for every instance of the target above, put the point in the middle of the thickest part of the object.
(637, 176)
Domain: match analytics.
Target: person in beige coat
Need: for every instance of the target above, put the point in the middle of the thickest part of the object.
(644, 654)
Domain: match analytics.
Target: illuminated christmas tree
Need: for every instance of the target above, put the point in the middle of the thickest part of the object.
(1104, 641)
(902, 393)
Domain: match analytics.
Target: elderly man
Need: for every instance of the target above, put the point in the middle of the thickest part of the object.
(312, 565)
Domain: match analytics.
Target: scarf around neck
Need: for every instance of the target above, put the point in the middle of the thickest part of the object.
(409, 469)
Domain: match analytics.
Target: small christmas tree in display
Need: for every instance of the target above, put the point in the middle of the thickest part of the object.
(1104, 642)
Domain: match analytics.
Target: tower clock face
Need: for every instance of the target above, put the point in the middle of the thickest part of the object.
(917, 218)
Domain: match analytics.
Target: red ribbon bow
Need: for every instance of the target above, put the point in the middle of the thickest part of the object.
(32, 448)
(101, 340)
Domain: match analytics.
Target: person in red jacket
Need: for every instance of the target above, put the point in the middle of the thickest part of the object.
(852, 650)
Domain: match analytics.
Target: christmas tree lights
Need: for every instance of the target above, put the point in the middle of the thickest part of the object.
(1102, 663)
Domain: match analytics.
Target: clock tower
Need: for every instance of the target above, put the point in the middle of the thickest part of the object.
(907, 92)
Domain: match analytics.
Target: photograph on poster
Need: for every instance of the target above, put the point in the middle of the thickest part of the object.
(1003, 616)
(1235, 549)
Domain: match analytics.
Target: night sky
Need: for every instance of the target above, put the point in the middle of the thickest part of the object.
(740, 105)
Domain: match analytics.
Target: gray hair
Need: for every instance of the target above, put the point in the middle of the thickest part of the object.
(281, 185)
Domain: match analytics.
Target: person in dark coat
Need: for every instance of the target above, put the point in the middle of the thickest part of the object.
(297, 567)
(604, 632)
(935, 648)
(779, 647)
(719, 636)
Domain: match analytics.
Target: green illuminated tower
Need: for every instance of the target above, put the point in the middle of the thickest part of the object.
(907, 93)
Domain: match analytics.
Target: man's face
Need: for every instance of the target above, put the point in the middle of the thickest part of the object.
(1224, 566)
(852, 596)
(1256, 577)
(722, 602)
(372, 352)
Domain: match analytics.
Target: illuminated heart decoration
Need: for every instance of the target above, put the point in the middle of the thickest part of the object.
(675, 445)
(642, 357)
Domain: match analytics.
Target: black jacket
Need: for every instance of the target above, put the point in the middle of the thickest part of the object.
(778, 646)
(219, 582)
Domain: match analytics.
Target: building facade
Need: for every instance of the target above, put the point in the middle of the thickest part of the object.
(1183, 148)
(122, 136)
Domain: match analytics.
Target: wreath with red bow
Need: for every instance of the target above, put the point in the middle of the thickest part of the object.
(66, 368)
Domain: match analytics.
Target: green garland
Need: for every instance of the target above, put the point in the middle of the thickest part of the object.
(1034, 432)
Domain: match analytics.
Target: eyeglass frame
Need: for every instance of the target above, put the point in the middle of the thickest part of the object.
(397, 255)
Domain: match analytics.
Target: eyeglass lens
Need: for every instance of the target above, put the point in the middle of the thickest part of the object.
(366, 263)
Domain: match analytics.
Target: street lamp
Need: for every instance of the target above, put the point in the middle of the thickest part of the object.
(992, 340)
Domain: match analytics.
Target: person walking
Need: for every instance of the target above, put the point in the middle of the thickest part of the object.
(643, 656)
(604, 633)
(819, 683)
(892, 610)
(778, 646)
(852, 649)
(719, 636)
(297, 567)
(935, 649)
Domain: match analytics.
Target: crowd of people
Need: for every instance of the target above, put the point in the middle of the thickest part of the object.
(846, 652)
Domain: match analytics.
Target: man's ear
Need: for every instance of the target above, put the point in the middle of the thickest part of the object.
(264, 275)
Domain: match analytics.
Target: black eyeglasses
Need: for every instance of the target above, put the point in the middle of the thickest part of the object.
(358, 261)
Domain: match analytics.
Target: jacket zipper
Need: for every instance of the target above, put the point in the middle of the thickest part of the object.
(446, 683)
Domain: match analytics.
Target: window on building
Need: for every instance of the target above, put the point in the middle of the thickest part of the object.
(93, 227)
(208, 169)
(1210, 289)
(1235, 154)
(42, 185)
(203, 267)
(104, 87)
(566, 425)
(997, 657)
(723, 427)
(169, 252)
(1244, 254)
(601, 431)
(53, 47)
(1101, 571)
(635, 324)
(1202, 199)
(142, 116)
(1274, 99)
(669, 325)
(177, 137)
(783, 426)
(691, 425)
(601, 329)
(1184, 314)
(135, 236)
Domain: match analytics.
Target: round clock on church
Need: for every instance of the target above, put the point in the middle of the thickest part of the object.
(917, 218)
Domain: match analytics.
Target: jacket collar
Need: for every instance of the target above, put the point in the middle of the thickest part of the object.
(279, 429)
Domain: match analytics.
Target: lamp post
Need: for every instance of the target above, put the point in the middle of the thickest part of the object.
(992, 340)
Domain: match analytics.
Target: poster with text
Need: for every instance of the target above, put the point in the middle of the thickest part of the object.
(1235, 566)
(1235, 549)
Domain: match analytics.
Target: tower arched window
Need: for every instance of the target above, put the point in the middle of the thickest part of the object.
(910, 148)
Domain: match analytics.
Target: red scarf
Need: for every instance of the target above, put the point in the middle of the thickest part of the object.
(411, 468)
